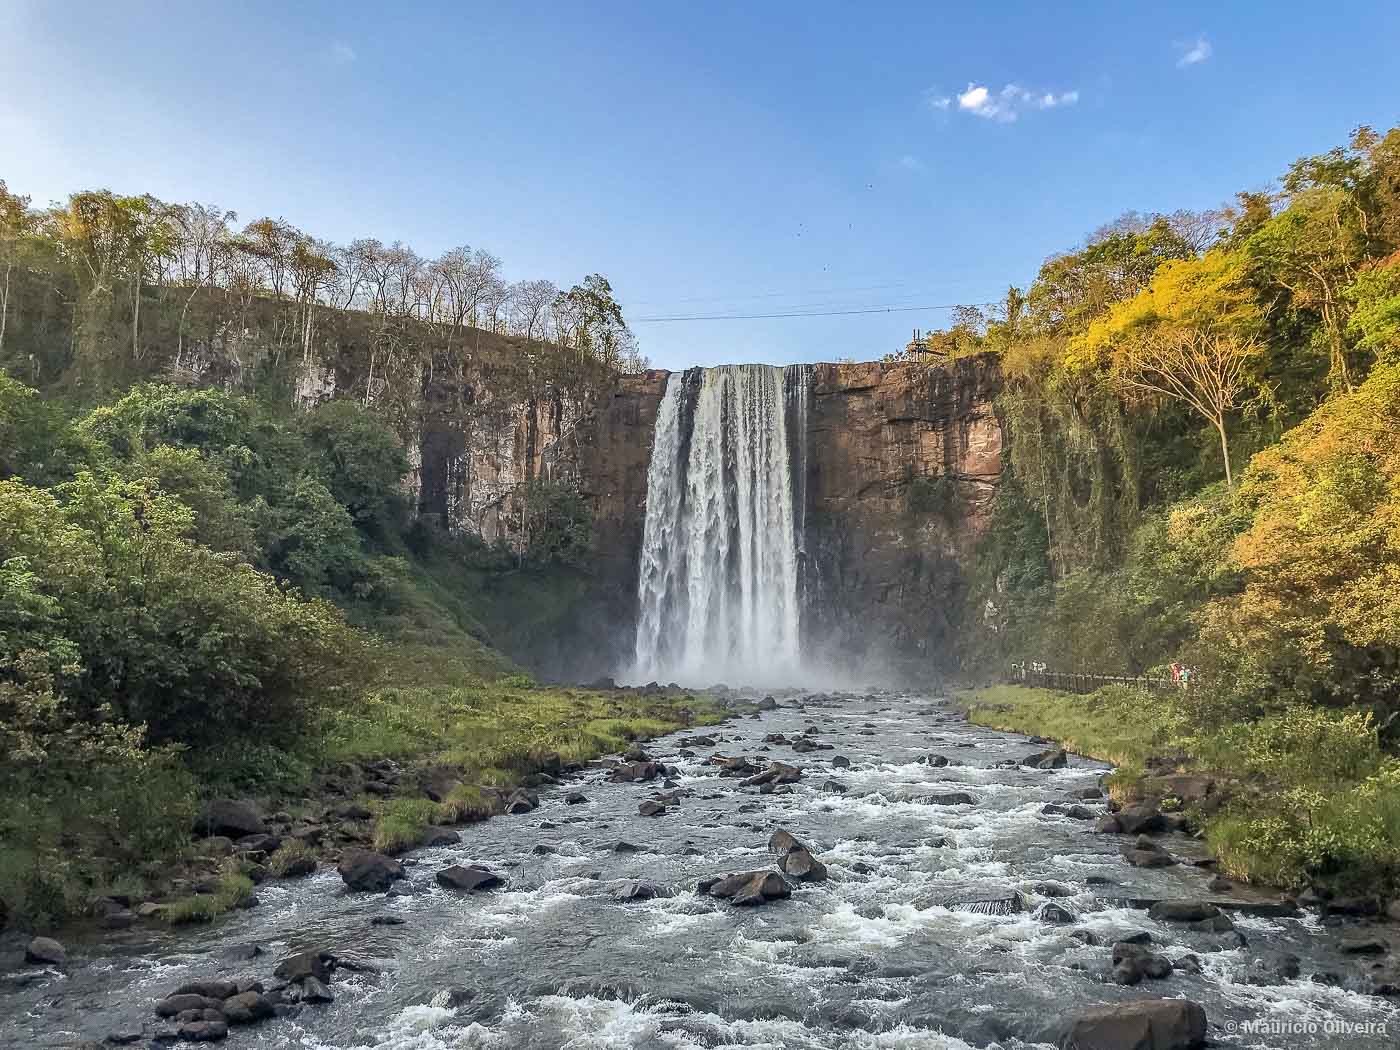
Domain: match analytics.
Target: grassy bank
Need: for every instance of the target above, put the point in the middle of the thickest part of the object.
(482, 738)
(1310, 797)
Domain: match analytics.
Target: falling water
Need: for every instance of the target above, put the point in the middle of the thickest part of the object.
(718, 580)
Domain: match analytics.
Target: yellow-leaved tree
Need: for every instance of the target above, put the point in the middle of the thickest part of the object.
(1191, 336)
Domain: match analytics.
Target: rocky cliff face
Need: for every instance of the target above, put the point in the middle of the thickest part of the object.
(903, 463)
(900, 467)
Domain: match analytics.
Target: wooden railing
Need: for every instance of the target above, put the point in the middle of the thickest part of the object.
(1077, 682)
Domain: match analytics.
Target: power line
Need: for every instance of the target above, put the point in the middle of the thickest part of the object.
(813, 313)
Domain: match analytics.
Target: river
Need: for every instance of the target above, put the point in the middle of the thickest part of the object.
(884, 954)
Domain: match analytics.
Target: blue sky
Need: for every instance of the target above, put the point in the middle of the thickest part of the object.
(708, 158)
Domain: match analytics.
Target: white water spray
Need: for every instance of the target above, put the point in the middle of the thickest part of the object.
(718, 579)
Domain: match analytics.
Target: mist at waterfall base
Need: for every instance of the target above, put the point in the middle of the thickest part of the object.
(723, 562)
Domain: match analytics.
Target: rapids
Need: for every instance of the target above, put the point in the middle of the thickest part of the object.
(879, 956)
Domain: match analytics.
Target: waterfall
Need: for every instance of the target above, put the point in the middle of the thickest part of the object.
(718, 596)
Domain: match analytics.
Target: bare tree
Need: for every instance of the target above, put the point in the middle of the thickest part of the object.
(530, 302)
(1206, 369)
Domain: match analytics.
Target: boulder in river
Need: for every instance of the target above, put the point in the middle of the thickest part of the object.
(1054, 758)
(202, 1031)
(468, 878)
(175, 1005)
(747, 888)
(212, 989)
(434, 836)
(638, 890)
(247, 1008)
(777, 773)
(298, 967)
(1141, 1024)
(800, 864)
(1055, 913)
(936, 761)
(783, 842)
(231, 817)
(1090, 794)
(950, 798)
(842, 762)
(1182, 911)
(651, 809)
(1141, 820)
(366, 872)
(45, 951)
(314, 991)
(636, 772)
(575, 798)
(1132, 962)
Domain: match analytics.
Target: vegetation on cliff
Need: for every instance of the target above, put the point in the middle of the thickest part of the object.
(213, 574)
(1203, 415)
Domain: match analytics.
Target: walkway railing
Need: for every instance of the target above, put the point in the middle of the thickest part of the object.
(1076, 682)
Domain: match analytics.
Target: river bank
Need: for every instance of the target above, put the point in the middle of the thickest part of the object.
(400, 770)
(956, 899)
(1301, 800)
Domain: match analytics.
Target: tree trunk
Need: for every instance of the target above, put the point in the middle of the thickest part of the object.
(5, 303)
(136, 322)
(1225, 451)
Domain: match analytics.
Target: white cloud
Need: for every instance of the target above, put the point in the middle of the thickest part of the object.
(1194, 53)
(937, 101)
(342, 54)
(1010, 102)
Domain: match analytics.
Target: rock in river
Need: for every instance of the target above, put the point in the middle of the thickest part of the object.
(366, 872)
(1143, 1024)
(468, 878)
(46, 952)
(747, 888)
(800, 864)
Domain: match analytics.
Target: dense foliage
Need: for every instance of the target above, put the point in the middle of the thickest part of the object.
(1204, 422)
(196, 588)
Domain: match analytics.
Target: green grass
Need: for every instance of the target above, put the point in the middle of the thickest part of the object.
(1313, 799)
(291, 852)
(233, 889)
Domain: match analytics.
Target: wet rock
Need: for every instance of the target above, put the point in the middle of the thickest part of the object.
(951, 798)
(212, 989)
(638, 890)
(175, 1005)
(1274, 969)
(1055, 758)
(777, 773)
(1055, 913)
(1053, 889)
(203, 1031)
(936, 761)
(783, 842)
(651, 809)
(575, 798)
(468, 878)
(1220, 885)
(386, 920)
(1190, 964)
(542, 849)
(747, 888)
(231, 817)
(1182, 911)
(625, 847)
(247, 1008)
(738, 766)
(1363, 944)
(1141, 819)
(1386, 981)
(800, 864)
(520, 802)
(1132, 962)
(842, 762)
(834, 787)
(1360, 907)
(365, 872)
(45, 951)
(768, 704)
(1079, 813)
(1088, 937)
(434, 836)
(636, 772)
(1108, 825)
(1392, 910)
(1147, 854)
(315, 992)
(1142, 1024)
(296, 968)
(1087, 794)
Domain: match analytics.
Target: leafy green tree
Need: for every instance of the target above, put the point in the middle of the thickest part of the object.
(361, 462)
